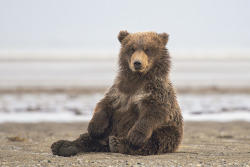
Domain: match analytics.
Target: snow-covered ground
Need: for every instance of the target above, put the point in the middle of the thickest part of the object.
(39, 107)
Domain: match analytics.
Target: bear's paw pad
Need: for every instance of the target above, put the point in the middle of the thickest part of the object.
(64, 148)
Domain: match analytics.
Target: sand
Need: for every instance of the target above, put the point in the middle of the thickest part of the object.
(204, 144)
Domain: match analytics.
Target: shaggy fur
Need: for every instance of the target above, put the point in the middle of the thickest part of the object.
(139, 114)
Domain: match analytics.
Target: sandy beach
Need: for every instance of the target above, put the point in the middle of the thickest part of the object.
(204, 144)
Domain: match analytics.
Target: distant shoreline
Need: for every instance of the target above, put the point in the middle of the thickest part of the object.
(90, 90)
(96, 74)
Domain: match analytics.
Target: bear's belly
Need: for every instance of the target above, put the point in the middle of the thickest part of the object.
(123, 121)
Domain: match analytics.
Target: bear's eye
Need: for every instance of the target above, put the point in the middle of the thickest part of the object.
(147, 50)
(132, 50)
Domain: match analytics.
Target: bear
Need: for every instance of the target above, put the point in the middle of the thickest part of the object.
(139, 114)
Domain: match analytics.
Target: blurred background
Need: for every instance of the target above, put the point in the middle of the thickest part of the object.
(58, 57)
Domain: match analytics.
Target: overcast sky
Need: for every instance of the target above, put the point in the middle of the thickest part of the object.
(94, 25)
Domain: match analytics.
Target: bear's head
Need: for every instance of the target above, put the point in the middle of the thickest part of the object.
(141, 51)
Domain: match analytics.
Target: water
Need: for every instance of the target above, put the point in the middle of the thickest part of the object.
(40, 107)
(215, 107)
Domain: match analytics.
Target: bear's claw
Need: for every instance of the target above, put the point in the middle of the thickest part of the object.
(64, 148)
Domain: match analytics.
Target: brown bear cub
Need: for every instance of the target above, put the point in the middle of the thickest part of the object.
(139, 114)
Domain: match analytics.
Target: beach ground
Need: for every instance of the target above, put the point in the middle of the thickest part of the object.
(204, 144)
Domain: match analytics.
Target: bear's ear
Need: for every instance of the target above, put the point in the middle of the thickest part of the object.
(164, 37)
(122, 34)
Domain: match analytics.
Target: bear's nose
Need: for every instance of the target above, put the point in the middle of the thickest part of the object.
(137, 64)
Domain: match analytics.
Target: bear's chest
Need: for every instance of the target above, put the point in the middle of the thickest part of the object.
(123, 102)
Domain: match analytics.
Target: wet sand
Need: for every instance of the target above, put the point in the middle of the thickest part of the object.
(204, 144)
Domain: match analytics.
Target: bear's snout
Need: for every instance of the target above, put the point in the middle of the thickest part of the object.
(137, 65)
(139, 62)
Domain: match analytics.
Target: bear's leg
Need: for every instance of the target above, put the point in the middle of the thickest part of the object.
(121, 145)
(168, 139)
(164, 140)
(83, 144)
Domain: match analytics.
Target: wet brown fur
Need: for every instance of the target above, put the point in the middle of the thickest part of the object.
(139, 114)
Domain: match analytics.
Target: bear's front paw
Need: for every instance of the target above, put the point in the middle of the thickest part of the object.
(64, 148)
(136, 139)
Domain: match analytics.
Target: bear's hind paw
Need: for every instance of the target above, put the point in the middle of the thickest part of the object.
(114, 144)
(64, 148)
